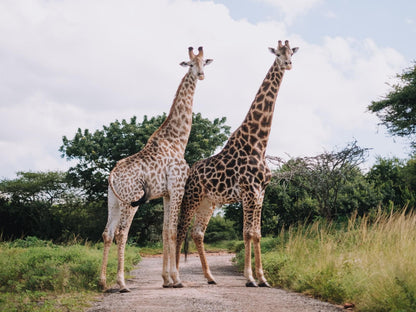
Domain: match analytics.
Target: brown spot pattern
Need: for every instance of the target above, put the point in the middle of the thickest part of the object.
(238, 173)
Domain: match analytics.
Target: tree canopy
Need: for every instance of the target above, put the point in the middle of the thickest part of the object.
(397, 110)
(97, 152)
(30, 187)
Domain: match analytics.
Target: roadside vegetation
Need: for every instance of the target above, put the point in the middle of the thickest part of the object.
(37, 275)
(368, 261)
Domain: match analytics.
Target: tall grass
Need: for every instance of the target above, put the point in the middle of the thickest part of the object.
(37, 275)
(370, 261)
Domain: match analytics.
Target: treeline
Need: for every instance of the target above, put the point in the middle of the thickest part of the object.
(332, 186)
(61, 206)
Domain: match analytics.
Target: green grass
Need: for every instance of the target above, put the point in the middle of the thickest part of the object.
(36, 275)
(369, 261)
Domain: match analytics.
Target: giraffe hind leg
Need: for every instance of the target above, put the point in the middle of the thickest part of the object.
(108, 235)
(127, 214)
(188, 209)
(202, 217)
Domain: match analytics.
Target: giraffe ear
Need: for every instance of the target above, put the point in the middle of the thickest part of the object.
(273, 51)
(184, 64)
(294, 50)
(208, 61)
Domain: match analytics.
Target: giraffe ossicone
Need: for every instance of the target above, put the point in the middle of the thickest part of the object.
(158, 170)
(238, 173)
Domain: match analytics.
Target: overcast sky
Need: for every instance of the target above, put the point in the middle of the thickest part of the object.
(68, 64)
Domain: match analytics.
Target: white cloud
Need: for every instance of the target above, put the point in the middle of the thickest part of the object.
(294, 8)
(327, 93)
(73, 64)
(330, 14)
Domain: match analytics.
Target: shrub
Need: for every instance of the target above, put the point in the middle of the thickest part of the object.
(41, 268)
(220, 229)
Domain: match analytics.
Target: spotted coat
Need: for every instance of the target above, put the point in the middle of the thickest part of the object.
(238, 173)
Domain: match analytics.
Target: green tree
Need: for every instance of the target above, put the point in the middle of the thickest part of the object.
(287, 203)
(397, 110)
(323, 176)
(98, 152)
(395, 180)
(329, 185)
(234, 213)
(32, 204)
(48, 187)
(220, 229)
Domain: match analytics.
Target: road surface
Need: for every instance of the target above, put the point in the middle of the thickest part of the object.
(230, 293)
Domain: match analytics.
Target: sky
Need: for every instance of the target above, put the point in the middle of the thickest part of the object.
(72, 64)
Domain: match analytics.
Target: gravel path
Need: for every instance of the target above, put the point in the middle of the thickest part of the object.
(230, 294)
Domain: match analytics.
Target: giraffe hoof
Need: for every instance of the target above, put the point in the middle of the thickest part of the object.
(111, 290)
(179, 285)
(168, 286)
(212, 282)
(251, 284)
(264, 284)
(125, 290)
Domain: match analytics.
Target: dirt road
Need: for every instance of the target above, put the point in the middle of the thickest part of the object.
(230, 294)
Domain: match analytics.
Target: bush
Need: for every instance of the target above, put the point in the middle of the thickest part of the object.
(41, 268)
(220, 229)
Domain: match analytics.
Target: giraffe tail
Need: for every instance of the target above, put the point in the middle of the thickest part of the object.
(144, 198)
(186, 245)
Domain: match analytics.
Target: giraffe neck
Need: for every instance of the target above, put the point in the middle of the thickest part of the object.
(253, 134)
(177, 125)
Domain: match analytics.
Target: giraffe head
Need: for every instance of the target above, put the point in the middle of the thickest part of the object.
(284, 54)
(196, 63)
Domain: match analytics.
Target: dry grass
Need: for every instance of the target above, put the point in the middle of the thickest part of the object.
(371, 261)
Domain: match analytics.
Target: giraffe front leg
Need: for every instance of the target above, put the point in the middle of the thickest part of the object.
(177, 176)
(259, 267)
(174, 274)
(248, 232)
(121, 238)
(248, 272)
(165, 234)
(257, 249)
(170, 273)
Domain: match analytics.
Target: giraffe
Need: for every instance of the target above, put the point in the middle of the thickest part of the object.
(238, 173)
(158, 170)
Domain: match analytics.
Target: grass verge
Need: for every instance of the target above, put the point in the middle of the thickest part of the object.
(369, 261)
(37, 275)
